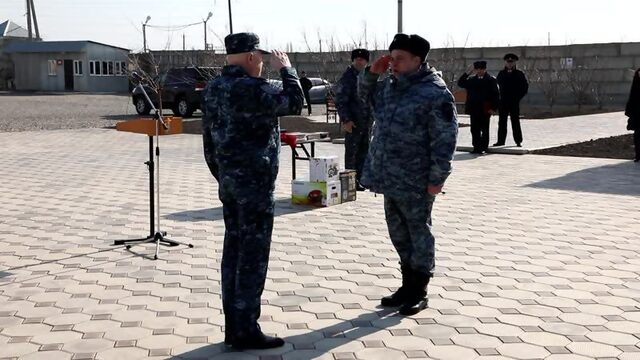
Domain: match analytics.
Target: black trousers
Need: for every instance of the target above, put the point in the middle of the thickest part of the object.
(307, 97)
(480, 131)
(511, 108)
(356, 148)
(636, 142)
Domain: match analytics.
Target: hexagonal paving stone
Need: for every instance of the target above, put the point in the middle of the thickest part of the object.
(592, 349)
(96, 326)
(523, 351)
(127, 333)
(19, 349)
(567, 357)
(170, 322)
(583, 319)
(47, 355)
(520, 320)
(379, 354)
(161, 342)
(613, 338)
(452, 352)
(337, 345)
(433, 331)
(457, 320)
(122, 353)
(67, 319)
(26, 330)
(544, 339)
(479, 311)
(627, 327)
(476, 341)
(56, 337)
(84, 346)
(499, 329)
(598, 309)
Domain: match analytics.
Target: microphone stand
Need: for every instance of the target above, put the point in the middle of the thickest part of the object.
(158, 237)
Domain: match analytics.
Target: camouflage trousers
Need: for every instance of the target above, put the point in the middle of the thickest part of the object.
(245, 258)
(356, 149)
(409, 223)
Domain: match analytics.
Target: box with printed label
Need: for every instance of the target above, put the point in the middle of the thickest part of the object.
(348, 189)
(324, 169)
(304, 192)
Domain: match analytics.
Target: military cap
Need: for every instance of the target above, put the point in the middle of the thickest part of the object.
(414, 44)
(480, 64)
(360, 53)
(511, 56)
(243, 42)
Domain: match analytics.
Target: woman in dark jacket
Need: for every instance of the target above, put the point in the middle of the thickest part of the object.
(633, 112)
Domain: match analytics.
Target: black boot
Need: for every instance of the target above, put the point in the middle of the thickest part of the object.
(397, 298)
(416, 299)
(258, 341)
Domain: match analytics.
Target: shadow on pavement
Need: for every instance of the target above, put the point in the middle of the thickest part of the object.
(617, 179)
(308, 345)
(283, 207)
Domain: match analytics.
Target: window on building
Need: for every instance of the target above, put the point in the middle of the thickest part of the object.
(77, 68)
(117, 71)
(98, 68)
(53, 67)
(110, 64)
(123, 68)
(92, 68)
(105, 68)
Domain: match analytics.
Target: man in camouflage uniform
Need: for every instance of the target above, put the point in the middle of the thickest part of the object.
(241, 146)
(355, 115)
(414, 139)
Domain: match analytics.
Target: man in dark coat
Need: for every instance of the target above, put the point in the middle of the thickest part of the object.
(633, 112)
(241, 138)
(482, 102)
(513, 87)
(306, 86)
(355, 114)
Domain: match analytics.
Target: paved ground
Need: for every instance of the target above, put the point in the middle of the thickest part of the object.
(539, 134)
(537, 258)
(39, 111)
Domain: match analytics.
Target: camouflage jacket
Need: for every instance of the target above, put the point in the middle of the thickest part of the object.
(240, 127)
(414, 137)
(350, 106)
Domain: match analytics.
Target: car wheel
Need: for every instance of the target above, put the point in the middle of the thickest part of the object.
(182, 108)
(142, 106)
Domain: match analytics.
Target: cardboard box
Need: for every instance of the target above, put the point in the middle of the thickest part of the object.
(348, 188)
(304, 192)
(324, 169)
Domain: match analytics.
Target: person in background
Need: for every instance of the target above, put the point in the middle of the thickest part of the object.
(482, 102)
(633, 112)
(513, 86)
(306, 86)
(355, 115)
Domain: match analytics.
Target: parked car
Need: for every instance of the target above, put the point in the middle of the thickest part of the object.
(181, 90)
(318, 93)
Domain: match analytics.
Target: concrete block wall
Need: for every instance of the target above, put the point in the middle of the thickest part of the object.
(608, 67)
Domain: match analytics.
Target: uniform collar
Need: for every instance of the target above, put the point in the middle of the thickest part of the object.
(234, 70)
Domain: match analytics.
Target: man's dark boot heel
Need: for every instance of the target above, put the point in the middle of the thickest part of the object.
(398, 298)
(257, 341)
(416, 299)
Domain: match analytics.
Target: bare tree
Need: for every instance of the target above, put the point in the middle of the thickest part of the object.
(580, 82)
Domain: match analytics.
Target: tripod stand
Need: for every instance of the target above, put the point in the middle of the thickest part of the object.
(142, 126)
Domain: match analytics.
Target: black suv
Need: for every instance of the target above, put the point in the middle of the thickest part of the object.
(181, 90)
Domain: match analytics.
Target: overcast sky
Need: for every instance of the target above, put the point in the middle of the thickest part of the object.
(283, 23)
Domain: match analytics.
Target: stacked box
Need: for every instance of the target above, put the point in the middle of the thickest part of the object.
(315, 193)
(324, 169)
(348, 187)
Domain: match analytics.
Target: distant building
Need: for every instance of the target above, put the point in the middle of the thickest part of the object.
(68, 66)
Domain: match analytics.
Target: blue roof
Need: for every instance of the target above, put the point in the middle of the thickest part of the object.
(51, 46)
